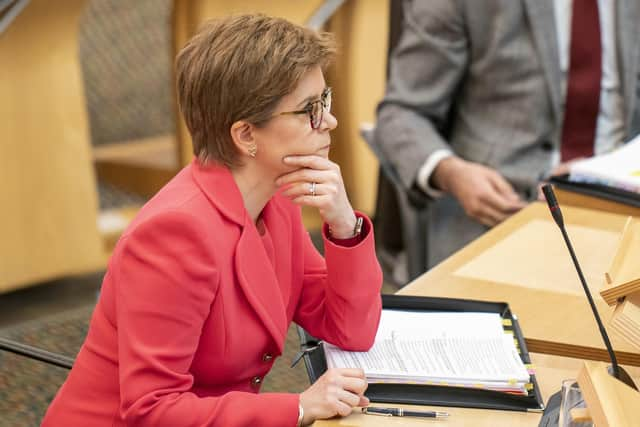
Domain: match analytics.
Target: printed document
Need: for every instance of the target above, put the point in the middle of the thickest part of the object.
(619, 168)
(439, 348)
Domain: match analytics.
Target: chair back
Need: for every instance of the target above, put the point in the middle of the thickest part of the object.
(402, 221)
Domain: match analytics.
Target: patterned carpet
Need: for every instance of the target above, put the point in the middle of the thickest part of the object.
(27, 387)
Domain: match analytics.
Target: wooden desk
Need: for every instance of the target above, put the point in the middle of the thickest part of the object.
(524, 262)
(551, 370)
(545, 295)
(571, 198)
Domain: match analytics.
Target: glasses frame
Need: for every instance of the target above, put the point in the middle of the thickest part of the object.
(325, 101)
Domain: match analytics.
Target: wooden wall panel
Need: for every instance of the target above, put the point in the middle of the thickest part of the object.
(48, 204)
(358, 79)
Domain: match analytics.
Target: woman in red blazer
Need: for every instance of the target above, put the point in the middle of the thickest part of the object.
(203, 285)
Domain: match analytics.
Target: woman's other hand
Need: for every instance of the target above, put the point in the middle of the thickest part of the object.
(336, 392)
(318, 183)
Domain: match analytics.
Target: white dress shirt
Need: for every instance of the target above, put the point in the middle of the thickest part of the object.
(610, 125)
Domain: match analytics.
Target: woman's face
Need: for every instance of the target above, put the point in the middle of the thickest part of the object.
(291, 134)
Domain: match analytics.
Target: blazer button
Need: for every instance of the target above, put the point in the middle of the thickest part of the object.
(267, 357)
(546, 146)
(256, 381)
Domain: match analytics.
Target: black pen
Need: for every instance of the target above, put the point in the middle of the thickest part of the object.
(399, 412)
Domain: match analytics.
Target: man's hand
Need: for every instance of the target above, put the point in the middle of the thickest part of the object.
(561, 169)
(483, 193)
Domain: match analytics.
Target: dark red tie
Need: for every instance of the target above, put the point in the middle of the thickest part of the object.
(583, 81)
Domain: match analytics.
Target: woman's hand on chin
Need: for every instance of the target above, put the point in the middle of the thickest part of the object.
(318, 183)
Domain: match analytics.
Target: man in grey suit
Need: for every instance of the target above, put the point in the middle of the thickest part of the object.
(477, 97)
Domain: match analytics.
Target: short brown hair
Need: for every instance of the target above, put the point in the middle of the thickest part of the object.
(238, 68)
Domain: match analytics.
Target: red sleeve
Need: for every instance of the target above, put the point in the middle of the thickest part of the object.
(349, 241)
(165, 284)
(340, 300)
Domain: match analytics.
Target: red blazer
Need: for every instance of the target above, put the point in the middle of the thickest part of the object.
(195, 307)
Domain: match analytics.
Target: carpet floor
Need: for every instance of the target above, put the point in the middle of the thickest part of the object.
(27, 386)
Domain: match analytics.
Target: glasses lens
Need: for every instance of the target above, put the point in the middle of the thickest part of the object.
(326, 100)
(316, 114)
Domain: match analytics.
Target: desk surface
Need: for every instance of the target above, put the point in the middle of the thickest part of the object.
(540, 283)
(572, 198)
(553, 312)
(550, 370)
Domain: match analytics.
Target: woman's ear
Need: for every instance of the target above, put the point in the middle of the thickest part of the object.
(243, 138)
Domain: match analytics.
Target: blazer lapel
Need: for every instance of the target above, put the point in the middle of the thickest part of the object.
(543, 30)
(279, 225)
(628, 37)
(259, 283)
(254, 271)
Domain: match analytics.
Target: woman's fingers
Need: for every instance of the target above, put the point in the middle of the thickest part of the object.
(364, 401)
(348, 398)
(310, 161)
(309, 191)
(343, 409)
(336, 392)
(317, 182)
(350, 372)
(354, 384)
(304, 175)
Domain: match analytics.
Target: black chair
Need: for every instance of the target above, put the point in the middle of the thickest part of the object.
(402, 216)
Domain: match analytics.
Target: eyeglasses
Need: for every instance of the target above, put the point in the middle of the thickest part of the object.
(315, 109)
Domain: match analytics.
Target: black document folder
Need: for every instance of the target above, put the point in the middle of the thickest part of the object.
(597, 190)
(415, 394)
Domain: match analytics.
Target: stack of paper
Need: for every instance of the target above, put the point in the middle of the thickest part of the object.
(619, 168)
(437, 348)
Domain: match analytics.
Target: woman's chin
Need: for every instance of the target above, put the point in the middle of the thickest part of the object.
(323, 152)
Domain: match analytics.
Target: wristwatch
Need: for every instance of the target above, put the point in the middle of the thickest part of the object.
(358, 228)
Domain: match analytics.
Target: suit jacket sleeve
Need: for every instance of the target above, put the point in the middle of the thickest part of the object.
(166, 282)
(426, 69)
(340, 300)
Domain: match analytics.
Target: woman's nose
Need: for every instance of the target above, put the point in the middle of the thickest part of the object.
(329, 121)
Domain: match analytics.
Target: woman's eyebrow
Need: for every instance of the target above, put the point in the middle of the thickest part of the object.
(311, 98)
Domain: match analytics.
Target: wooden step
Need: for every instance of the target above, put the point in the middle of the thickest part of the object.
(111, 224)
(141, 166)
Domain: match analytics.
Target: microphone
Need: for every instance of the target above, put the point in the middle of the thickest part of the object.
(614, 370)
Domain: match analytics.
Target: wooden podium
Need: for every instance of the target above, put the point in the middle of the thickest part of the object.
(47, 187)
(524, 262)
(610, 402)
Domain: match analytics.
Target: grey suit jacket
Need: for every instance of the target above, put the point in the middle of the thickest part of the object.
(482, 78)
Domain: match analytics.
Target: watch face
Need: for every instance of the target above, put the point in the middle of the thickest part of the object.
(358, 229)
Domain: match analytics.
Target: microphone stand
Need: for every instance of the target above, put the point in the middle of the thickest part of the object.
(615, 370)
